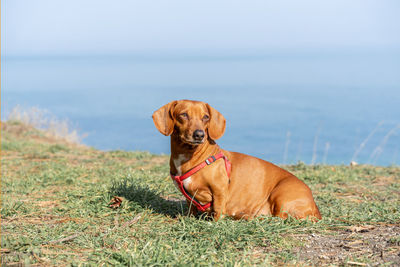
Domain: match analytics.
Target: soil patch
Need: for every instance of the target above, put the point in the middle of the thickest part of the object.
(371, 245)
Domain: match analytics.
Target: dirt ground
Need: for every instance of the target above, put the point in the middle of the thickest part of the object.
(380, 244)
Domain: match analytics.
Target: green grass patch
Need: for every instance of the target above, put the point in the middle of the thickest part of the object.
(55, 199)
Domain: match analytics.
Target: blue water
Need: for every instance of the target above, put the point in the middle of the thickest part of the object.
(280, 106)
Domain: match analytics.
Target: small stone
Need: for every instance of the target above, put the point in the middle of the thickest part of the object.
(323, 257)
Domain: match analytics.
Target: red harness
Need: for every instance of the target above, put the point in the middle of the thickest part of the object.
(179, 179)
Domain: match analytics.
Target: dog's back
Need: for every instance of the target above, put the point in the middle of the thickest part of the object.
(259, 187)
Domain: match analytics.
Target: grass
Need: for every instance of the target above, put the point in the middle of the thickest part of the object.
(55, 211)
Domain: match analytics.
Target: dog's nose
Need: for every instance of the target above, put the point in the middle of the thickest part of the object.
(198, 135)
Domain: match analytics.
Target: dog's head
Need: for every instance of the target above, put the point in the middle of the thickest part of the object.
(192, 121)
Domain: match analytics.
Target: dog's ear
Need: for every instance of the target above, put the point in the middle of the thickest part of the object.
(163, 118)
(216, 128)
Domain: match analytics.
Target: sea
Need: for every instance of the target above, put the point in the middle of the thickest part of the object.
(316, 107)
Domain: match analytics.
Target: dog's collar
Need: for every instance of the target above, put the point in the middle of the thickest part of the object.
(180, 178)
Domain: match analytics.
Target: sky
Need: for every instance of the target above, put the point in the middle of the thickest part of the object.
(54, 27)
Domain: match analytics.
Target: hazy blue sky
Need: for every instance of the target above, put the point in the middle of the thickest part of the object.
(98, 26)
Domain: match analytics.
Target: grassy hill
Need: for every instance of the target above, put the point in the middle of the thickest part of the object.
(55, 211)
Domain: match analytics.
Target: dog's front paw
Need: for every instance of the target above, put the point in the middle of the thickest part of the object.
(217, 216)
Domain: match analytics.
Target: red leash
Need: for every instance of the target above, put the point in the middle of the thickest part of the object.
(179, 179)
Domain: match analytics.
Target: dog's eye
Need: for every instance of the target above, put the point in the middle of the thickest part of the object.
(206, 118)
(184, 115)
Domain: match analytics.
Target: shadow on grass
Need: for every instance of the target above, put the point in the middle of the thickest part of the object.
(146, 198)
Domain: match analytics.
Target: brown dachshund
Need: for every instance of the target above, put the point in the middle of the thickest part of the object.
(237, 185)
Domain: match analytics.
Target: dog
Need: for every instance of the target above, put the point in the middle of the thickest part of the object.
(223, 183)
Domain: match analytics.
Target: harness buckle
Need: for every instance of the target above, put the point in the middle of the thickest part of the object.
(208, 161)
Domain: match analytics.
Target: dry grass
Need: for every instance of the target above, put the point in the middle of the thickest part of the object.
(45, 121)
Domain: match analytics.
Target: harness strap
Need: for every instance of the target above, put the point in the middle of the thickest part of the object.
(180, 178)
